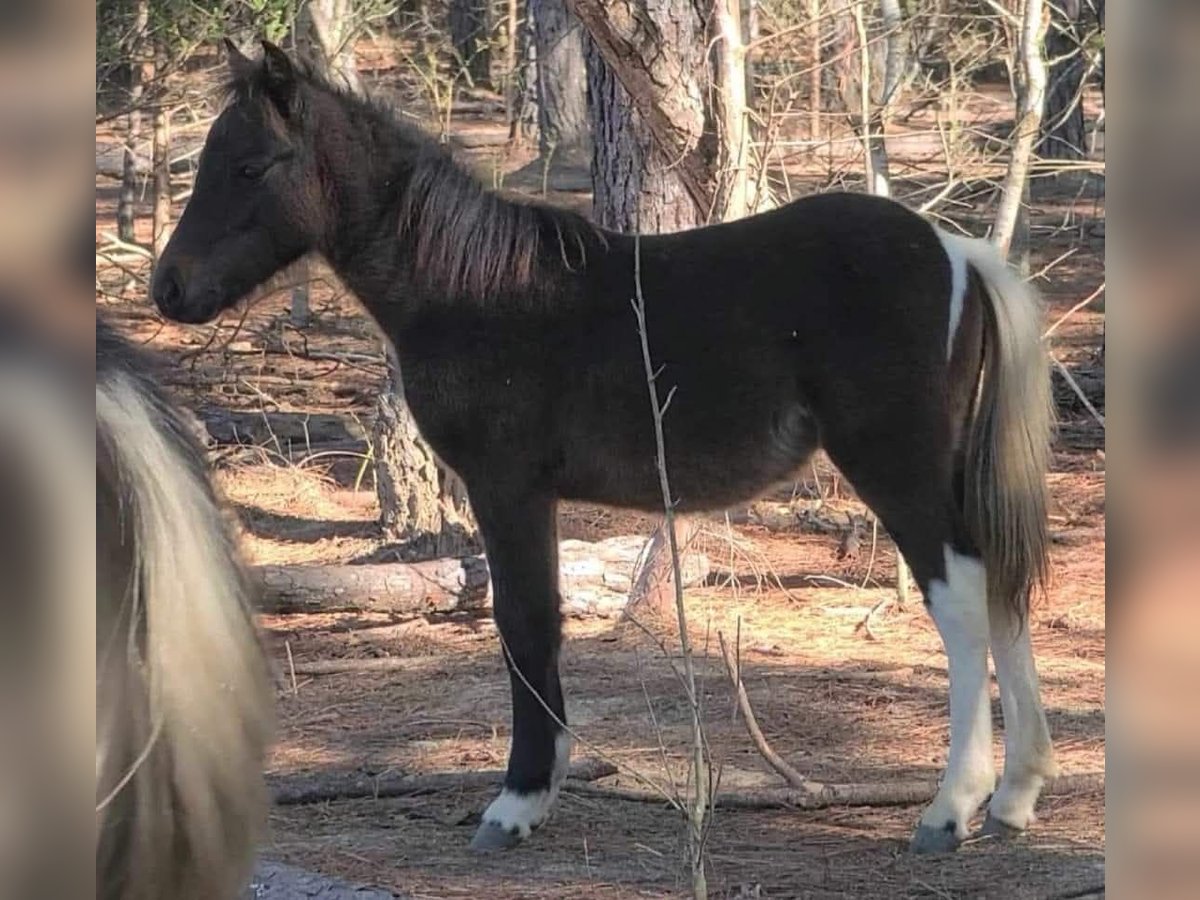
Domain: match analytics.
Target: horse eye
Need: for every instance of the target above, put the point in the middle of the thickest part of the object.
(253, 171)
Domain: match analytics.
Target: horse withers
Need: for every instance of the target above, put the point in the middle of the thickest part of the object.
(842, 321)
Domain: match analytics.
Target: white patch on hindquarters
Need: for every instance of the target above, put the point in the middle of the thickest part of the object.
(957, 252)
(959, 608)
(519, 813)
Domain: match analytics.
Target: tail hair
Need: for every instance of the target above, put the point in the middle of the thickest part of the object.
(184, 694)
(1008, 441)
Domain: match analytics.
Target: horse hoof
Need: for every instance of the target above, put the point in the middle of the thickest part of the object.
(491, 837)
(994, 828)
(928, 839)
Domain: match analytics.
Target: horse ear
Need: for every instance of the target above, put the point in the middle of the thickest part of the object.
(279, 76)
(240, 64)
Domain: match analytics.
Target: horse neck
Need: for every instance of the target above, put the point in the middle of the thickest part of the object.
(371, 163)
(363, 171)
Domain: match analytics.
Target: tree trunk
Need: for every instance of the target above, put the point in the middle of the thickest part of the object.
(734, 188)
(161, 166)
(421, 504)
(894, 63)
(638, 187)
(523, 114)
(523, 102)
(1062, 133)
(864, 99)
(751, 27)
(470, 34)
(328, 30)
(300, 314)
(1011, 230)
(127, 198)
(641, 181)
(563, 127)
(512, 18)
(331, 32)
(818, 70)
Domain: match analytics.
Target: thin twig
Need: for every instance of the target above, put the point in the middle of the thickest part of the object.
(774, 760)
(292, 668)
(698, 804)
(1074, 309)
(1074, 385)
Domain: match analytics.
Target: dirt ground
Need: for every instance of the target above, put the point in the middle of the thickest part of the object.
(838, 703)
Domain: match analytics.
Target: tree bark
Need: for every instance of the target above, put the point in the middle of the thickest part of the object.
(328, 30)
(422, 504)
(651, 170)
(331, 33)
(161, 166)
(894, 62)
(751, 28)
(523, 88)
(818, 70)
(734, 197)
(434, 586)
(596, 579)
(470, 34)
(563, 127)
(872, 83)
(1062, 133)
(136, 46)
(1010, 232)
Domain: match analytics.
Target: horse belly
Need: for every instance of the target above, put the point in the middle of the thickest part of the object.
(711, 463)
(736, 461)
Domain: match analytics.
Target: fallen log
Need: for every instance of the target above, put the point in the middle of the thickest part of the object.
(279, 881)
(891, 793)
(596, 579)
(321, 787)
(435, 586)
(226, 426)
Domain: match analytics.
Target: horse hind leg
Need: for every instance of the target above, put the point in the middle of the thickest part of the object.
(1028, 751)
(907, 483)
(956, 597)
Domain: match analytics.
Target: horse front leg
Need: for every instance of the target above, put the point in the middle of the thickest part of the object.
(521, 539)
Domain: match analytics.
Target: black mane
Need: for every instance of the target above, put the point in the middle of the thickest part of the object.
(466, 240)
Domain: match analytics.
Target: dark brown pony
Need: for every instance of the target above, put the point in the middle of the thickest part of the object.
(842, 321)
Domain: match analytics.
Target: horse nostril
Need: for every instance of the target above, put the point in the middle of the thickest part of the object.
(168, 290)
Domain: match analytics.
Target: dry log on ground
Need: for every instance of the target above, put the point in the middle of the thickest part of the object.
(894, 793)
(359, 665)
(595, 580)
(320, 787)
(436, 586)
(226, 426)
(279, 881)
